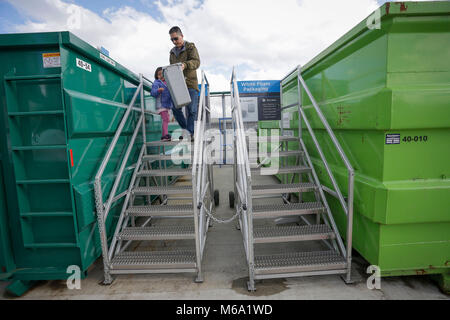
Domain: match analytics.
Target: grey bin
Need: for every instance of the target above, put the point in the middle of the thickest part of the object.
(177, 85)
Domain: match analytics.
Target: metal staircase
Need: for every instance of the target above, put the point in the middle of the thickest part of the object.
(148, 213)
(287, 222)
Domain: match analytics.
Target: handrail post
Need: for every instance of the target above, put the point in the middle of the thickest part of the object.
(300, 103)
(243, 178)
(144, 136)
(198, 179)
(102, 229)
(351, 185)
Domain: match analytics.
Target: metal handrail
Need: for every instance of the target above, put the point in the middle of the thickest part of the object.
(242, 172)
(104, 208)
(346, 205)
(117, 135)
(201, 181)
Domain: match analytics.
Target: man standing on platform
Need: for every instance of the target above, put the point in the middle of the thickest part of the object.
(186, 53)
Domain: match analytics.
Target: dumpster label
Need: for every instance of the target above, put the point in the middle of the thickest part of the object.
(393, 138)
(107, 59)
(84, 65)
(51, 60)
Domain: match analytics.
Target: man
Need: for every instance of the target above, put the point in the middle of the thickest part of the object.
(186, 53)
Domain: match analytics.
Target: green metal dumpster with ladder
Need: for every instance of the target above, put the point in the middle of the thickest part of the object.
(61, 102)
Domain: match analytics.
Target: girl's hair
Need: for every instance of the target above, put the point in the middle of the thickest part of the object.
(156, 72)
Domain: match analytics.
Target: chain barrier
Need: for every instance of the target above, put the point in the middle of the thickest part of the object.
(226, 220)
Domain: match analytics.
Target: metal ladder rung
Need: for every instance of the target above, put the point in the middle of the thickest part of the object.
(160, 210)
(283, 188)
(274, 234)
(288, 153)
(163, 173)
(280, 210)
(153, 260)
(167, 157)
(266, 171)
(157, 233)
(170, 143)
(273, 138)
(299, 262)
(143, 191)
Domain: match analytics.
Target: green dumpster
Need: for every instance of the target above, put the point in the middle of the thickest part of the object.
(61, 102)
(386, 94)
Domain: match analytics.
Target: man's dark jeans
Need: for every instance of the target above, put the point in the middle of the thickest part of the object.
(191, 113)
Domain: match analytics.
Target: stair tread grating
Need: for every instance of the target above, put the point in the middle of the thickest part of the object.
(270, 138)
(163, 190)
(169, 143)
(155, 258)
(273, 171)
(299, 259)
(158, 231)
(291, 206)
(282, 187)
(290, 231)
(167, 172)
(175, 156)
(160, 209)
(275, 154)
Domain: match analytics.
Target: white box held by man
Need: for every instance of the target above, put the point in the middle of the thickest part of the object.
(177, 85)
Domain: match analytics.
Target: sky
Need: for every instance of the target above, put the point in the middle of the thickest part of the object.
(264, 39)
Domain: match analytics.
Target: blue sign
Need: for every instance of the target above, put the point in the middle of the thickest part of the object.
(200, 89)
(259, 86)
(104, 51)
(260, 100)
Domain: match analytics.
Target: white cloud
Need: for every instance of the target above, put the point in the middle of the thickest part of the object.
(265, 38)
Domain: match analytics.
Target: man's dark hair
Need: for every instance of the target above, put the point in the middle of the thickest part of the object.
(156, 72)
(175, 30)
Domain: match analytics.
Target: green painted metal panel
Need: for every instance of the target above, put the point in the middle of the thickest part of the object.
(56, 124)
(393, 80)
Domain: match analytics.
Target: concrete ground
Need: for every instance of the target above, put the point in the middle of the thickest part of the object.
(225, 274)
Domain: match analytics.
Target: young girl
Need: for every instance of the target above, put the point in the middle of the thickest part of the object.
(163, 102)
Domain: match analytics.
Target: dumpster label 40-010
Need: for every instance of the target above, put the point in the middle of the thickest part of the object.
(393, 138)
(84, 65)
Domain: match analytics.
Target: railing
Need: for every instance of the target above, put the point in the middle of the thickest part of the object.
(103, 208)
(202, 183)
(242, 173)
(347, 206)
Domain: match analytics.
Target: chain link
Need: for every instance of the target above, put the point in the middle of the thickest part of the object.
(224, 221)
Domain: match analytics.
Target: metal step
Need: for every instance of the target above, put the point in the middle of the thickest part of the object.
(272, 234)
(279, 154)
(285, 263)
(163, 173)
(267, 171)
(283, 188)
(152, 260)
(273, 138)
(157, 233)
(281, 210)
(183, 142)
(159, 210)
(167, 157)
(143, 191)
